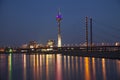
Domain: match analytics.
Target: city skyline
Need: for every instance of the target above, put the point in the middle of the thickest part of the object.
(26, 20)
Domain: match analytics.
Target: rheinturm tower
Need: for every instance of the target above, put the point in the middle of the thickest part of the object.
(59, 18)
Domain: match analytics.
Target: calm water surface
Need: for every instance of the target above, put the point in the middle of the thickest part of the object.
(57, 67)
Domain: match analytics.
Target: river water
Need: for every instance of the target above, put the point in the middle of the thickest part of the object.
(57, 67)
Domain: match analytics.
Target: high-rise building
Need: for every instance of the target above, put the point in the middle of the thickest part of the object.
(59, 18)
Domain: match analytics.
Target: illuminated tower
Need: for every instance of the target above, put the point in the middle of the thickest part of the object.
(59, 18)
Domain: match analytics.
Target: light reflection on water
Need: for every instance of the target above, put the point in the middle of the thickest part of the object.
(24, 67)
(94, 68)
(87, 68)
(104, 69)
(57, 67)
(10, 66)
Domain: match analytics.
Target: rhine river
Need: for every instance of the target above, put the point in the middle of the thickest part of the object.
(57, 67)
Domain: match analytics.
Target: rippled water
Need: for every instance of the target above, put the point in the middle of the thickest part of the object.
(57, 67)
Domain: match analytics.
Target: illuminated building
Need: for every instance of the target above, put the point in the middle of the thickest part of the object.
(1, 49)
(8, 50)
(50, 43)
(32, 44)
(117, 44)
(59, 18)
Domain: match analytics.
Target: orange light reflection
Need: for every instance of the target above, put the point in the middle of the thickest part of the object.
(47, 67)
(104, 69)
(87, 68)
(94, 68)
(24, 66)
(40, 67)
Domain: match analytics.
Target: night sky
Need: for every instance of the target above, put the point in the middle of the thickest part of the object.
(24, 20)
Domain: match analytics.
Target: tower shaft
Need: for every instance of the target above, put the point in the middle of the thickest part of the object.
(59, 35)
(59, 18)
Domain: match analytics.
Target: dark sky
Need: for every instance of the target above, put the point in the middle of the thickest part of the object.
(24, 20)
